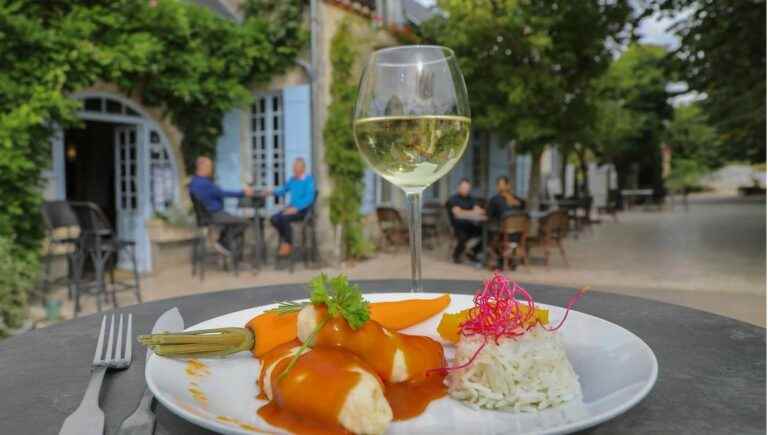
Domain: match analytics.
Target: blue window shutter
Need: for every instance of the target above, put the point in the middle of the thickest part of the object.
(297, 132)
(228, 155)
(369, 193)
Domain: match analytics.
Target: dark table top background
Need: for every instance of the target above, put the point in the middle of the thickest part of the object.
(711, 368)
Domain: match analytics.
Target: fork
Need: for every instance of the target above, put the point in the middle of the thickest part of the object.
(88, 418)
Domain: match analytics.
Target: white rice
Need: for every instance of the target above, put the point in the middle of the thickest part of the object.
(527, 373)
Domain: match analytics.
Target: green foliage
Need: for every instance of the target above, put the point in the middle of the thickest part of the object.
(18, 269)
(722, 56)
(692, 137)
(345, 166)
(177, 56)
(632, 110)
(685, 174)
(529, 65)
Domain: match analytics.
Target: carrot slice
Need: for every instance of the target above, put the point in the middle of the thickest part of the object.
(272, 329)
(397, 315)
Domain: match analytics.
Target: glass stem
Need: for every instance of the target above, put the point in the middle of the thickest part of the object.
(414, 212)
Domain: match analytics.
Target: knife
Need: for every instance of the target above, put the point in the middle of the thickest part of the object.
(142, 421)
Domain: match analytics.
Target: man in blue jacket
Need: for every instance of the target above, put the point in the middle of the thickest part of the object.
(301, 191)
(212, 197)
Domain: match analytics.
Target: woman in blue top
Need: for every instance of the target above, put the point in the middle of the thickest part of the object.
(301, 191)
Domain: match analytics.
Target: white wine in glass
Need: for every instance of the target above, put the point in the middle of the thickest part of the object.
(412, 124)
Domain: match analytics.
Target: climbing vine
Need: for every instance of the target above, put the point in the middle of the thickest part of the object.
(175, 55)
(345, 166)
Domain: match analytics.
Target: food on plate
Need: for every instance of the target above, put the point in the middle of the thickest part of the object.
(507, 357)
(396, 357)
(328, 365)
(275, 327)
(398, 315)
(340, 345)
(327, 390)
(450, 324)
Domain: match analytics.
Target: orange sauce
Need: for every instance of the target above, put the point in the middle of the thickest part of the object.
(197, 394)
(233, 421)
(377, 346)
(308, 400)
(197, 369)
(409, 399)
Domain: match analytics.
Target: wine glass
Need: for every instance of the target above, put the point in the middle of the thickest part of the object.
(411, 124)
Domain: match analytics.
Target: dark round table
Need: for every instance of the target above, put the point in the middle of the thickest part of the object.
(711, 368)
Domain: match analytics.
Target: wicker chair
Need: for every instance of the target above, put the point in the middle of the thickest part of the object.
(512, 240)
(553, 228)
(62, 230)
(392, 226)
(100, 244)
(206, 230)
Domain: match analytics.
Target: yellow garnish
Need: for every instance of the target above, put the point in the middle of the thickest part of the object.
(449, 324)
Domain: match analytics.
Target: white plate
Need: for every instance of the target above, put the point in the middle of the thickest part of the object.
(615, 367)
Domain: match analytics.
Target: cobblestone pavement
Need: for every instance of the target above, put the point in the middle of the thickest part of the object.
(711, 257)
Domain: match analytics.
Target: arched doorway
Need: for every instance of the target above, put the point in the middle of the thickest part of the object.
(119, 159)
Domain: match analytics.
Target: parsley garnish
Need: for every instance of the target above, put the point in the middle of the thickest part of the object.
(340, 299)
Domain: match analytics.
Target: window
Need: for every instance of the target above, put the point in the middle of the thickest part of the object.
(267, 149)
(108, 105)
(162, 183)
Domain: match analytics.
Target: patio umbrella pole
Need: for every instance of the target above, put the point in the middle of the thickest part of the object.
(204, 343)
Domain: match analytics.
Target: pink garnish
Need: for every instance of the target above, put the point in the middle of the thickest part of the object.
(497, 313)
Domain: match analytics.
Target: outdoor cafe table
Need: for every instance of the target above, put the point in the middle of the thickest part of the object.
(711, 368)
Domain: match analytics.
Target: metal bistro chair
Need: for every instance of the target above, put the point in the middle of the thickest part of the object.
(307, 248)
(62, 230)
(392, 226)
(100, 244)
(553, 228)
(206, 230)
(512, 240)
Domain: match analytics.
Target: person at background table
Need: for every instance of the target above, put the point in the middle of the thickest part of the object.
(504, 201)
(301, 192)
(211, 196)
(502, 204)
(466, 216)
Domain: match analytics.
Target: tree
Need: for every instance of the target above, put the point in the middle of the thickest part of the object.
(177, 56)
(722, 56)
(529, 65)
(690, 136)
(632, 110)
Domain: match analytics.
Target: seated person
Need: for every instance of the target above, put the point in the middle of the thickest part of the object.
(504, 201)
(465, 214)
(301, 190)
(502, 204)
(212, 197)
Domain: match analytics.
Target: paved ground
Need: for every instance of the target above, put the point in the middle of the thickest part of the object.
(711, 257)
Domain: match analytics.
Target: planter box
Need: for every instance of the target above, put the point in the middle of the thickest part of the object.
(163, 232)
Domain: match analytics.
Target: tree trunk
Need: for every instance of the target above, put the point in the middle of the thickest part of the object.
(534, 183)
(565, 152)
(328, 243)
(584, 168)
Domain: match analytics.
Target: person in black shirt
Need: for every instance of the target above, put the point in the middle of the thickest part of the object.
(504, 201)
(465, 215)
